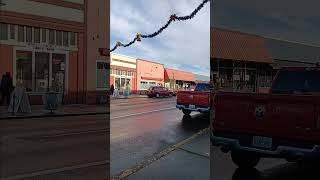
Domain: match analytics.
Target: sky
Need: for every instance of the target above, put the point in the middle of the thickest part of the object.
(291, 20)
(184, 45)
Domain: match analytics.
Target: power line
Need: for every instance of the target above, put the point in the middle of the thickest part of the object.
(172, 18)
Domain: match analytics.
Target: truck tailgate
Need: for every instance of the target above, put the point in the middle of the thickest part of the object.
(283, 116)
(193, 97)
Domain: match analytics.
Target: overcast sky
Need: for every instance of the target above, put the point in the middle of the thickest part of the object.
(184, 45)
(293, 20)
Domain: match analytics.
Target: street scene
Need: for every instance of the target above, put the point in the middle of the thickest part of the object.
(147, 129)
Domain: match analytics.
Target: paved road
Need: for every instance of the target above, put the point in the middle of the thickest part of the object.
(142, 127)
(222, 168)
(71, 147)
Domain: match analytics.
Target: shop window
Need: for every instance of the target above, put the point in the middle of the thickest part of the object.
(59, 38)
(72, 39)
(103, 75)
(37, 35)
(3, 31)
(12, 31)
(51, 36)
(23, 69)
(29, 34)
(41, 71)
(117, 82)
(43, 35)
(65, 39)
(58, 72)
(20, 33)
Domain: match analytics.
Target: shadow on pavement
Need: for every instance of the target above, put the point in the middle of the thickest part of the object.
(195, 123)
(292, 171)
(246, 174)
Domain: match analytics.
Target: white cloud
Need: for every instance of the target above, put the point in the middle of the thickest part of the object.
(182, 43)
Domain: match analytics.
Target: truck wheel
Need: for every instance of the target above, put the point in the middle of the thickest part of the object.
(244, 160)
(186, 111)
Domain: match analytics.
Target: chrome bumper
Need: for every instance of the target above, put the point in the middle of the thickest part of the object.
(233, 144)
(191, 109)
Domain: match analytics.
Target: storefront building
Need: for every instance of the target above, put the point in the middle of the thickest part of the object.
(178, 80)
(240, 61)
(53, 45)
(149, 74)
(123, 72)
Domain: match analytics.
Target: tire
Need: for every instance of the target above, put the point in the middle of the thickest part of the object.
(244, 159)
(170, 95)
(157, 95)
(186, 111)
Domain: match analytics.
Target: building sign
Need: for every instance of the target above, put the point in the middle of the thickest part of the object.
(236, 77)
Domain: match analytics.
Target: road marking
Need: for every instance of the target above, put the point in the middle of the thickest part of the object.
(198, 154)
(146, 112)
(124, 174)
(54, 171)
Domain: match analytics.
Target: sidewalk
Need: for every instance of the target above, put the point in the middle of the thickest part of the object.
(131, 96)
(189, 162)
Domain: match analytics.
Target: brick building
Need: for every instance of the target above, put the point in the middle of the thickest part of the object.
(54, 45)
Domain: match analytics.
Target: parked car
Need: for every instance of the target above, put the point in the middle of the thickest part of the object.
(285, 123)
(159, 91)
(195, 100)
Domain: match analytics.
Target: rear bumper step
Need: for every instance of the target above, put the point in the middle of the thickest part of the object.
(281, 151)
(191, 109)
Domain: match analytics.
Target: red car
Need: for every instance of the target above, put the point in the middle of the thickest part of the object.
(285, 123)
(159, 91)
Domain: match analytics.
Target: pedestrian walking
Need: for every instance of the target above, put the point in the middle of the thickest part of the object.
(112, 89)
(6, 88)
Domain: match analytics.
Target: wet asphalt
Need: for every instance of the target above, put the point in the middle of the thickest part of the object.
(143, 127)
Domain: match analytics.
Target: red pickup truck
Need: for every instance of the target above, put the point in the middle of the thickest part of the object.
(285, 123)
(197, 100)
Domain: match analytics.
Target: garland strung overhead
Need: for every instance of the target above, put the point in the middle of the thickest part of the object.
(172, 18)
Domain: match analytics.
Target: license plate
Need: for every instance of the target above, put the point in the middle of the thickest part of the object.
(192, 106)
(262, 142)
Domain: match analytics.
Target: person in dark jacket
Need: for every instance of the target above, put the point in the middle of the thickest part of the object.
(6, 87)
(112, 89)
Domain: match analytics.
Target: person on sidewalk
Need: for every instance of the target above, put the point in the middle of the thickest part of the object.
(112, 89)
(6, 87)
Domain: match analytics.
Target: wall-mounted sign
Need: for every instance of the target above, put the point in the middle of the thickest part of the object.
(247, 77)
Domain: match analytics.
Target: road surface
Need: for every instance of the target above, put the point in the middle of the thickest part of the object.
(143, 127)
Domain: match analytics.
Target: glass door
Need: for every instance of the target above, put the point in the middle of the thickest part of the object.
(58, 72)
(41, 71)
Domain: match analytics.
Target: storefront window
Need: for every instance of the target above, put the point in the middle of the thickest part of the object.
(65, 39)
(42, 71)
(12, 32)
(102, 75)
(117, 82)
(44, 35)
(58, 72)
(37, 35)
(3, 31)
(20, 33)
(29, 34)
(24, 69)
(123, 83)
(59, 38)
(72, 39)
(51, 36)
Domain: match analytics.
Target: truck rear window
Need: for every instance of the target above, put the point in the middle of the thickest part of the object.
(297, 81)
(202, 87)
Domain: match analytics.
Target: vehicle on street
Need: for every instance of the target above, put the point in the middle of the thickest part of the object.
(159, 91)
(195, 100)
(284, 123)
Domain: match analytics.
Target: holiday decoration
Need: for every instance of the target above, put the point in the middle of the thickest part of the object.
(172, 18)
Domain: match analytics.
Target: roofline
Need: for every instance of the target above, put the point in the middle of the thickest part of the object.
(123, 55)
(149, 61)
(267, 37)
(178, 70)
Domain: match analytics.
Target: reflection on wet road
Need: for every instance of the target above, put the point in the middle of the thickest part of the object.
(268, 169)
(142, 127)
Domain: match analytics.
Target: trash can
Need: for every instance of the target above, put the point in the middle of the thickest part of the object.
(51, 101)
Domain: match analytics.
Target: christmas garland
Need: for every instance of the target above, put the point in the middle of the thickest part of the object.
(172, 18)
